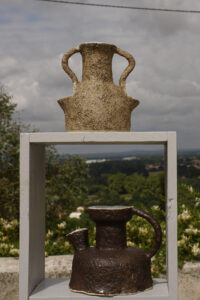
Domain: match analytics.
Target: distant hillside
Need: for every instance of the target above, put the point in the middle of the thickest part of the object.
(134, 153)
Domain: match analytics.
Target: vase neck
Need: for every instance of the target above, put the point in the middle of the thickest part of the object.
(110, 235)
(97, 62)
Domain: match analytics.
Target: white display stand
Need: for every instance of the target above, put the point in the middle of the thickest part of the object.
(32, 282)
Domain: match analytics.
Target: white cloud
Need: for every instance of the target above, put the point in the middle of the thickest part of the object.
(34, 36)
(8, 65)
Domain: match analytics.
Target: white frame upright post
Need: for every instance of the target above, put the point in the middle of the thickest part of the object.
(32, 282)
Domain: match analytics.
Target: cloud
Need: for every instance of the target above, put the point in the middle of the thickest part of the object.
(8, 65)
(35, 35)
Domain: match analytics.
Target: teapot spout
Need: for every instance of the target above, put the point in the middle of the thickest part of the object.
(79, 239)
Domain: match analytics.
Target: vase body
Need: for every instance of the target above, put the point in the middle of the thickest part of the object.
(111, 268)
(97, 104)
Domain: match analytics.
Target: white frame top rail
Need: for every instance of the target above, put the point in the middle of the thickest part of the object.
(100, 137)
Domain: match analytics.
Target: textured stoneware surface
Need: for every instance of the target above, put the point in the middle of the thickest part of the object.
(97, 103)
(111, 268)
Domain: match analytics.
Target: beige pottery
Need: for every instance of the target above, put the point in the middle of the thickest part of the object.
(97, 104)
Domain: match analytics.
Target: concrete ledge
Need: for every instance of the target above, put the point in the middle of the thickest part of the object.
(55, 267)
(60, 267)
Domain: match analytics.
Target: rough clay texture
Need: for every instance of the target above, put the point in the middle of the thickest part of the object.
(111, 268)
(98, 272)
(60, 266)
(97, 103)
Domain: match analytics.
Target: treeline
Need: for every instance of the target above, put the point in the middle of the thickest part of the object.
(98, 170)
(188, 171)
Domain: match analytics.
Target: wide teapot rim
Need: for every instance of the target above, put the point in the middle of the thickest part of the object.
(108, 207)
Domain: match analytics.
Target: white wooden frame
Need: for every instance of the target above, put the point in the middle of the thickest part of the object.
(32, 282)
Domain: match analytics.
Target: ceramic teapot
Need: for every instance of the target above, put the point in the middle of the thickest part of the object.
(97, 103)
(111, 268)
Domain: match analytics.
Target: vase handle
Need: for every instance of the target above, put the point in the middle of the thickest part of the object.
(65, 65)
(129, 68)
(156, 226)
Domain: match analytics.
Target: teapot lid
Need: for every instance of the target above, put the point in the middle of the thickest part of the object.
(109, 213)
(109, 207)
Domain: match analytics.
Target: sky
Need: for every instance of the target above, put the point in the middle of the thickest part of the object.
(166, 46)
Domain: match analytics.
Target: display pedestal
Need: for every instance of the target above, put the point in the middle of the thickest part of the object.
(57, 289)
(32, 282)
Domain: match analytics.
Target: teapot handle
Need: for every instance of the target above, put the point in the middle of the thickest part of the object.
(129, 68)
(65, 64)
(156, 226)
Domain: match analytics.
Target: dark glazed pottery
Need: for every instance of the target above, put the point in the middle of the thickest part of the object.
(111, 268)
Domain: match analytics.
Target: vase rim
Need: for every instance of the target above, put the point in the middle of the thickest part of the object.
(92, 44)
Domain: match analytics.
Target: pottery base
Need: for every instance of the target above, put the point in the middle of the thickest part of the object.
(110, 295)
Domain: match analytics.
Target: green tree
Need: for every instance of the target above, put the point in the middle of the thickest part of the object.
(66, 186)
(145, 191)
(9, 157)
(116, 183)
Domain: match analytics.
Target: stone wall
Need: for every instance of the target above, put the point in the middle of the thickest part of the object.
(60, 267)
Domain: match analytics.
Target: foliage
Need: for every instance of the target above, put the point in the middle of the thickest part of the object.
(97, 170)
(133, 189)
(189, 228)
(188, 171)
(194, 182)
(139, 234)
(148, 191)
(66, 187)
(9, 158)
(9, 237)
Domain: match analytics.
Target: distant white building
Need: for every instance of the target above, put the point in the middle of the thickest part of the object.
(129, 158)
(99, 160)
